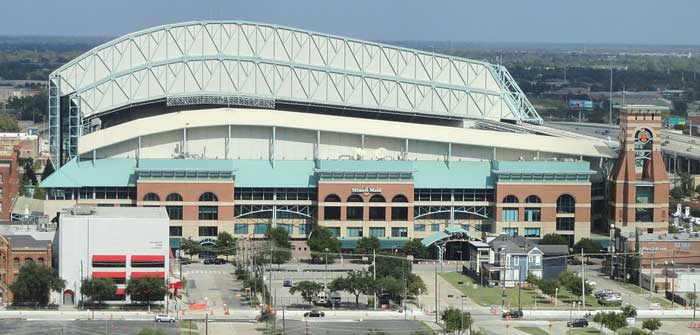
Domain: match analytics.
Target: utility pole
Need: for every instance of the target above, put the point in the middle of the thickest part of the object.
(283, 325)
(652, 286)
(583, 280)
(272, 245)
(610, 101)
(206, 324)
(436, 297)
(374, 276)
(695, 299)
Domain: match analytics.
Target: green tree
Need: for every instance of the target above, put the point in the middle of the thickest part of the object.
(532, 279)
(321, 239)
(651, 325)
(686, 181)
(614, 321)
(391, 287)
(34, 284)
(415, 248)
(190, 247)
(548, 286)
(677, 193)
(309, 290)
(691, 297)
(279, 237)
(456, 321)
(48, 170)
(8, 124)
(98, 289)
(569, 280)
(39, 193)
(366, 245)
(391, 266)
(356, 283)
(225, 244)
(629, 311)
(588, 246)
(146, 289)
(415, 285)
(554, 239)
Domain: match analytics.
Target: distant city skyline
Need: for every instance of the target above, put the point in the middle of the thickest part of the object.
(544, 21)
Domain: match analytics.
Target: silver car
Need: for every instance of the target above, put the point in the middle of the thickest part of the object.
(164, 318)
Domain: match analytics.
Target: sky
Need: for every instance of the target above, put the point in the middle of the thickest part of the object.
(557, 21)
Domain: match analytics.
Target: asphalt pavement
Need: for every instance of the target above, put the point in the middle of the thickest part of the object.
(84, 327)
(213, 284)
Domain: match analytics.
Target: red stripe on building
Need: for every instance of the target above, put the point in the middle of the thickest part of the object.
(148, 275)
(120, 291)
(104, 274)
(147, 258)
(109, 258)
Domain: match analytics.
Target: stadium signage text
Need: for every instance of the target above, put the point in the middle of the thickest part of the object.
(223, 100)
(366, 190)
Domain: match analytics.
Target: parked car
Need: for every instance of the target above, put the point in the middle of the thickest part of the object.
(577, 323)
(185, 261)
(288, 283)
(208, 261)
(314, 314)
(603, 292)
(219, 261)
(164, 318)
(513, 314)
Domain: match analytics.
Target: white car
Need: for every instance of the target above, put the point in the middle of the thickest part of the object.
(164, 318)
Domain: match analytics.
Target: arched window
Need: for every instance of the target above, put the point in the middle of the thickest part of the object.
(28, 260)
(355, 198)
(173, 197)
(377, 213)
(332, 198)
(533, 199)
(399, 213)
(151, 197)
(208, 196)
(331, 212)
(355, 213)
(15, 262)
(40, 260)
(566, 204)
(533, 214)
(510, 199)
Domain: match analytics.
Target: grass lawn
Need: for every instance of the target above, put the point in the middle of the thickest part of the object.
(490, 296)
(532, 330)
(584, 331)
(188, 324)
(662, 301)
(627, 330)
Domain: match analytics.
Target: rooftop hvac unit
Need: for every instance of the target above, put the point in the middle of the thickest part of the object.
(82, 210)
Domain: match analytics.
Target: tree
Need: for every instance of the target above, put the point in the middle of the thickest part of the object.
(415, 248)
(322, 238)
(34, 284)
(366, 245)
(651, 325)
(190, 247)
(572, 282)
(554, 239)
(29, 173)
(98, 289)
(391, 287)
(629, 311)
(548, 286)
(686, 181)
(611, 320)
(48, 170)
(225, 244)
(39, 193)
(677, 193)
(356, 283)
(415, 285)
(279, 237)
(8, 124)
(146, 289)
(309, 290)
(391, 266)
(588, 246)
(456, 321)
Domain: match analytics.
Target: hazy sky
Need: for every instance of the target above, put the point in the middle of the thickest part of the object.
(577, 21)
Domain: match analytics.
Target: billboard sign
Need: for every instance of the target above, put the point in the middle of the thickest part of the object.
(676, 121)
(580, 104)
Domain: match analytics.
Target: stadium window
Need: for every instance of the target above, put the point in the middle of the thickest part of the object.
(176, 231)
(354, 213)
(240, 229)
(509, 215)
(354, 232)
(174, 212)
(378, 232)
(510, 231)
(566, 204)
(331, 212)
(208, 231)
(151, 197)
(510, 199)
(533, 214)
(173, 197)
(532, 232)
(208, 212)
(533, 199)
(208, 197)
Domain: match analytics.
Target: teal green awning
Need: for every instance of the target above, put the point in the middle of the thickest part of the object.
(384, 243)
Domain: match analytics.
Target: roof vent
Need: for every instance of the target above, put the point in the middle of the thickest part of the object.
(82, 210)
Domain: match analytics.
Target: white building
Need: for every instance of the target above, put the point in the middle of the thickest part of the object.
(118, 243)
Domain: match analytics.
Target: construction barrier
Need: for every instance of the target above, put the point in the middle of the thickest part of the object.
(694, 326)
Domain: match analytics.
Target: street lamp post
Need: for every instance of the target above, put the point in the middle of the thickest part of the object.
(556, 296)
(611, 249)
